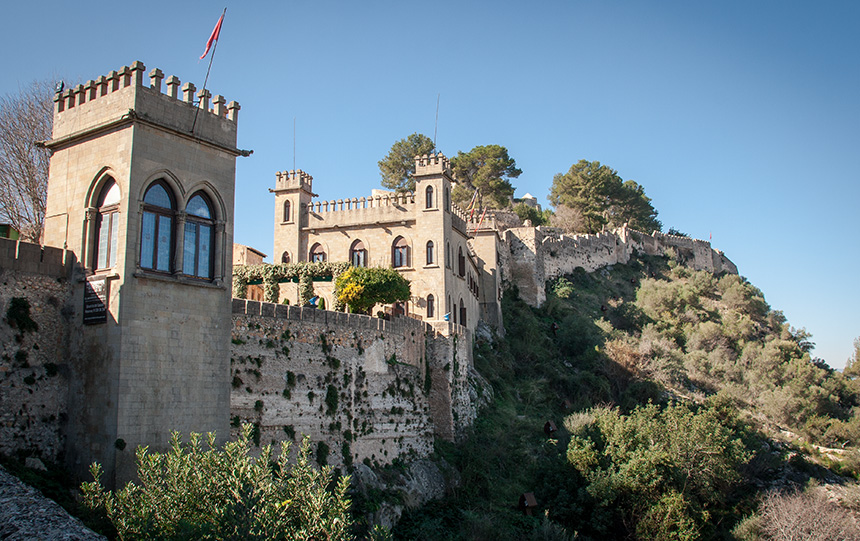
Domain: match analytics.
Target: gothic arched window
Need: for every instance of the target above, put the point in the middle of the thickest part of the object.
(431, 306)
(287, 211)
(317, 253)
(431, 256)
(461, 262)
(358, 254)
(107, 226)
(285, 257)
(156, 237)
(428, 197)
(199, 238)
(399, 253)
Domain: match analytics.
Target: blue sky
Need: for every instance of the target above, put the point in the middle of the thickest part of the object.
(740, 119)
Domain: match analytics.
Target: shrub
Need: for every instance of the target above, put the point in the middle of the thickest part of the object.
(808, 516)
(194, 493)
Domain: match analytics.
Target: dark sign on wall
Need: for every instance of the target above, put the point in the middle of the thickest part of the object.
(95, 302)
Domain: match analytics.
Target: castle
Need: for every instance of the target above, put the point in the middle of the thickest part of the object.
(131, 293)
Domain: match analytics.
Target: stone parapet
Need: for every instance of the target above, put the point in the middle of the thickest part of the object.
(34, 259)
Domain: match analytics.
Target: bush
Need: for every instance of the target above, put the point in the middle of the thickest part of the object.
(192, 493)
(796, 515)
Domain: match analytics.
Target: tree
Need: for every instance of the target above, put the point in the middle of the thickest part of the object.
(852, 367)
(192, 493)
(526, 212)
(24, 119)
(601, 198)
(361, 288)
(487, 169)
(398, 167)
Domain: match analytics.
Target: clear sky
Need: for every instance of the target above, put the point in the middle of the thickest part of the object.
(741, 119)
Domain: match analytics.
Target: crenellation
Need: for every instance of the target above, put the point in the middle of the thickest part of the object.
(219, 105)
(155, 77)
(188, 91)
(173, 84)
(203, 99)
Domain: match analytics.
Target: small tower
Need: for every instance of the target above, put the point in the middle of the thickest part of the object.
(141, 189)
(293, 194)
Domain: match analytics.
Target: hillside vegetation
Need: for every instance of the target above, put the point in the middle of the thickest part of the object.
(680, 399)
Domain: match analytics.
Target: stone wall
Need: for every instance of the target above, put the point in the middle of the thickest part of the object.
(536, 255)
(357, 384)
(33, 369)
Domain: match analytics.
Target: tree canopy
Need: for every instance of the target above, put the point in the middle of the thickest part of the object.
(361, 288)
(488, 169)
(24, 119)
(601, 198)
(397, 168)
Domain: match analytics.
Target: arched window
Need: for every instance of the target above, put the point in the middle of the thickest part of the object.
(428, 197)
(448, 256)
(399, 253)
(358, 254)
(431, 257)
(287, 211)
(156, 237)
(317, 254)
(285, 257)
(107, 225)
(461, 262)
(462, 313)
(447, 200)
(199, 238)
(431, 306)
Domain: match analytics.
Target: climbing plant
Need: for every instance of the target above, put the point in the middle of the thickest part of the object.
(272, 275)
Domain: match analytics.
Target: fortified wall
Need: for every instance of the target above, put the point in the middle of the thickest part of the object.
(538, 254)
(362, 388)
(34, 377)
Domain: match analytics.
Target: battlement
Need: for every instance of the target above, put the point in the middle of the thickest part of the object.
(126, 94)
(293, 179)
(35, 259)
(430, 164)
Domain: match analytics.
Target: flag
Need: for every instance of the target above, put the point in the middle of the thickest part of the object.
(473, 200)
(214, 37)
(482, 219)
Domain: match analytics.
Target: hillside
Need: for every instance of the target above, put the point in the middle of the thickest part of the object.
(680, 398)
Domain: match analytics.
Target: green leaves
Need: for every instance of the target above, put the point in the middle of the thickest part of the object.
(488, 169)
(601, 198)
(397, 168)
(361, 288)
(192, 492)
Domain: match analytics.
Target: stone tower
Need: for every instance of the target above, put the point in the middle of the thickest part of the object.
(141, 189)
(293, 193)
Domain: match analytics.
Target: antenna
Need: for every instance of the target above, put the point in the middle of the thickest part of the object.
(294, 143)
(436, 126)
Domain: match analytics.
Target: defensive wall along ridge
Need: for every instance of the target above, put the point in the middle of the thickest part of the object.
(538, 254)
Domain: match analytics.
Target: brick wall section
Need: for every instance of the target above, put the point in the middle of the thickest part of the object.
(33, 369)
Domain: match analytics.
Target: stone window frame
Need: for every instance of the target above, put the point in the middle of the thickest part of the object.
(431, 306)
(198, 222)
(461, 263)
(287, 212)
(317, 253)
(159, 215)
(400, 253)
(430, 254)
(358, 255)
(106, 211)
(285, 257)
(428, 198)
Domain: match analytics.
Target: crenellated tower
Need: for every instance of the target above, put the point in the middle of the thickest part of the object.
(293, 195)
(141, 189)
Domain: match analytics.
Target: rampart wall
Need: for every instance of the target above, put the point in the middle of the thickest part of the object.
(366, 388)
(536, 255)
(34, 375)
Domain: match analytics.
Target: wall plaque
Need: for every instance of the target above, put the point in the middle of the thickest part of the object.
(95, 301)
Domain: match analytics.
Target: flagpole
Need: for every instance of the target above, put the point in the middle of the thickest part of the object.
(206, 79)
